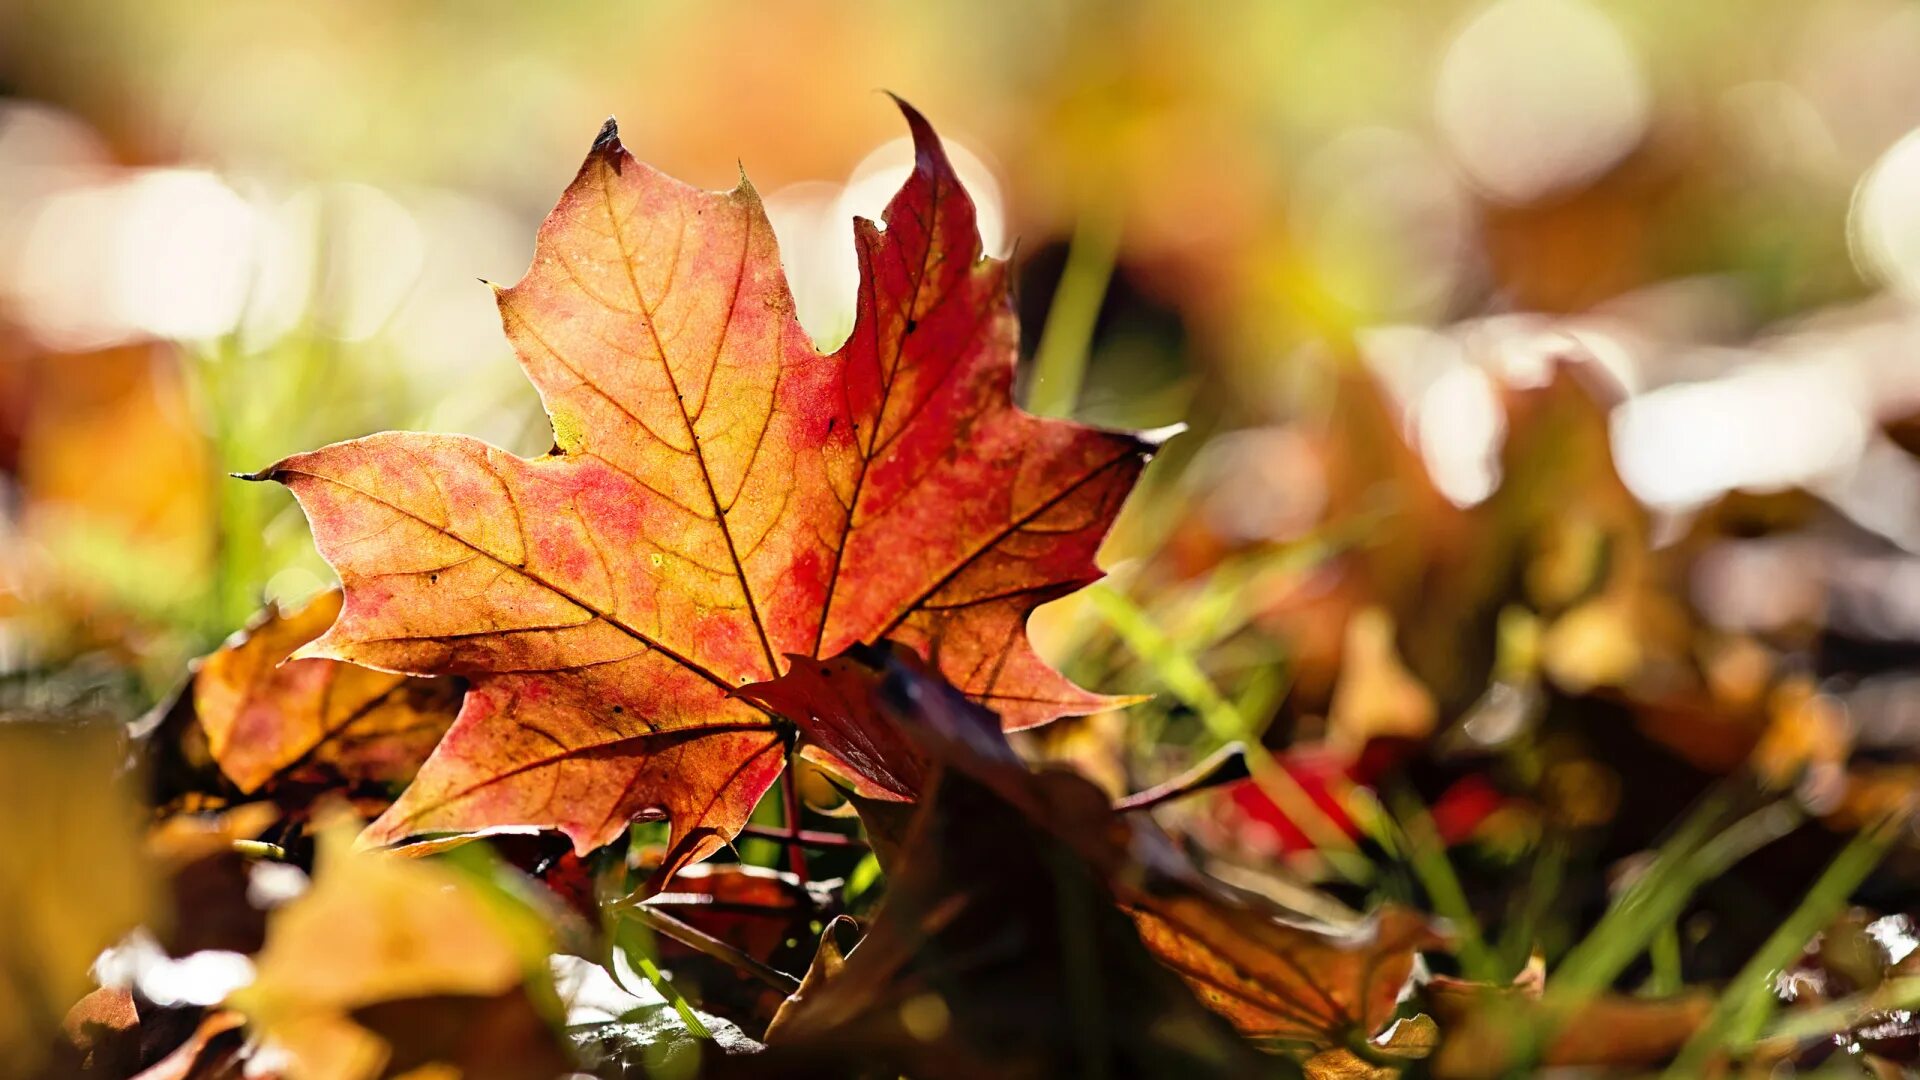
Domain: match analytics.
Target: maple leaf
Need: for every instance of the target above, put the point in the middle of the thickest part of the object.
(720, 498)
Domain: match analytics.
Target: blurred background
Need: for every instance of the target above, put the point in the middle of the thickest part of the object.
(1537, 357)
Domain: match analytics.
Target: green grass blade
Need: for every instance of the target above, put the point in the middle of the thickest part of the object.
(1180, 673)
(1427, 855)
(1060, 360)
(1743, 1009)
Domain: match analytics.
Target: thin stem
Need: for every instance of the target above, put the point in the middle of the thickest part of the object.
(704, 902)
(620, 942)
(790, 802)
(1694, 854)
(695, 1026)
(1688, 858)
(1181, 675)
(1849, 1012)
(702, 942)
(808, 837)
(1664, 951)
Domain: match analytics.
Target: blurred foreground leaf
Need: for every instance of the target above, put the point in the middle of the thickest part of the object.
(391, 963)
(74, 879)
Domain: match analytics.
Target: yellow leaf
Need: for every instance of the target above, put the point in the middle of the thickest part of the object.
(74, 879)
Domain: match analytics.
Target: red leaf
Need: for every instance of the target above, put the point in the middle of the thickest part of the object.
(720, 496)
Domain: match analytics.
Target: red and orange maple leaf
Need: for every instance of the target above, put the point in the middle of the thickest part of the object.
(721, 498)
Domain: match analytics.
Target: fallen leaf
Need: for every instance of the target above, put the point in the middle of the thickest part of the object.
(1806, 744)
(215, 1051)
(999, 952)
(1322, 774)
(461, 1037)
(208, 879)
(829, 959)
(1483, 1027)
(74, 879)
(1407, 1041)
(1281, 980)
(102, 1033)
(1375, 696)
(266, 716)
(720, 497)
(1225, 766)
(395, 960)
(1275, 978)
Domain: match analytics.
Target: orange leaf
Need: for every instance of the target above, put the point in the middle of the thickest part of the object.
(264, 717)
(1283, 980)
(720, 495)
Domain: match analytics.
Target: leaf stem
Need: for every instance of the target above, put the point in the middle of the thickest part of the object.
(790, 820)
(705, 902)
(259, 849)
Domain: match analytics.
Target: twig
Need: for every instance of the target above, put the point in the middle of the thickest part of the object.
(807, 837)
(702, 942)
(260, 849)
(726, 907)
